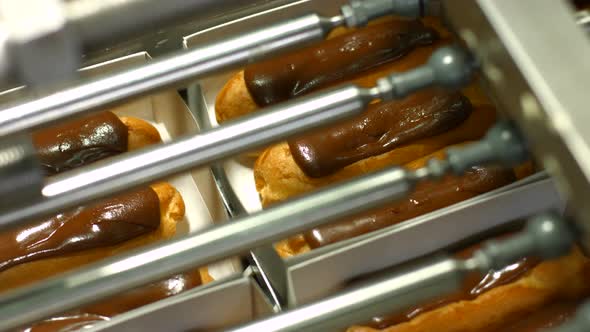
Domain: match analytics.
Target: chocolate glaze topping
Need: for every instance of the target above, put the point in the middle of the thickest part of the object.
(427, 197)
(136, 298)
(297, 73)
(383, 127)
(473, 286)
(104, 224)
(80, 142)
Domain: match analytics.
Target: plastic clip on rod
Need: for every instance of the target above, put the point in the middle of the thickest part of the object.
(449, 67)
(359, 12)
(546, 236)
(502, 145)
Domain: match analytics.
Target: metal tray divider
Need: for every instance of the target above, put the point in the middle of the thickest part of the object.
(267, 266)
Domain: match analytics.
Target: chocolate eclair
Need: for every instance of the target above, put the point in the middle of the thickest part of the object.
(306, 70)
(88, 233)
(427, 197)
(526, 296)
(381, 128)
(105, 310)
(88, 139)
(107, 223)
(347, 57)
(473, 286)
(387, 134)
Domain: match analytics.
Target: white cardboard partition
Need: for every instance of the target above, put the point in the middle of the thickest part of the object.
(214, 307)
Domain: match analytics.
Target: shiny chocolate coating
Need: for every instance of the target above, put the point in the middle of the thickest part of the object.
(333, 60)
(473, 286)
(107, 223)
(382, 128)
(427, 197)
(80, 142)
(129, 300)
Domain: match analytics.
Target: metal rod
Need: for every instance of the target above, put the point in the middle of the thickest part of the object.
(383, 296)
(135, 168)
(105, 22)
(169, 72)
(116, 274)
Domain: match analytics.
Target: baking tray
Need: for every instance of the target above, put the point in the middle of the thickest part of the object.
(168, 113)
(324, 271)
(213, 307)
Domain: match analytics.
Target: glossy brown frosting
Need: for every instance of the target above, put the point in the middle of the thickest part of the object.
(473, 286)
(382, 128)
(104, 224)
(427, 197)
(80, 142)
(297, 73)
(127, 301)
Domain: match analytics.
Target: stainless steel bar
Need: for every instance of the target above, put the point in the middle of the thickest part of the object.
(105, 22)
(173, 71)
(108, 278)
(383, 296)
(134, 168)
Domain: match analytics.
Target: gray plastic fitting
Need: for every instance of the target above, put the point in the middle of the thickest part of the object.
(546, 236)
(502, 144)
(359, 12)
(449, 67)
